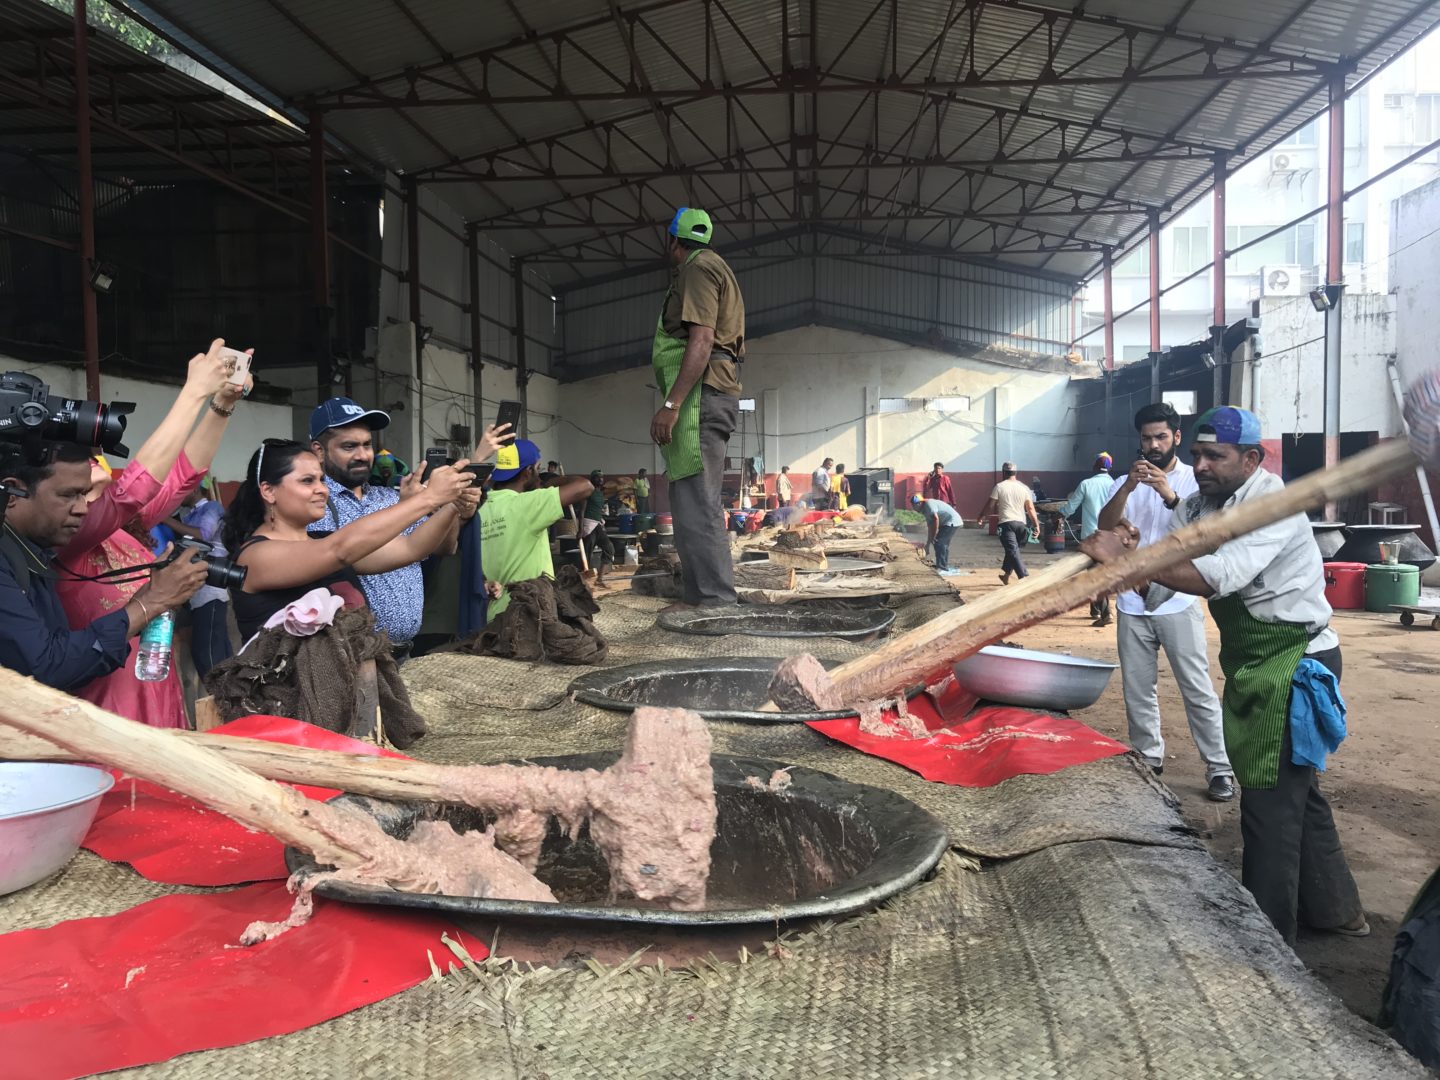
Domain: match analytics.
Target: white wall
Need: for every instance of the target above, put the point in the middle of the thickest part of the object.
(817, 393)
(1291, 396)
(252, 421)
(1415, 270)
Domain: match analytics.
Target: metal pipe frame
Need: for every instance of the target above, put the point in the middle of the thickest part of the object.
(1217, 281)
(89, 312)
(1334, 274)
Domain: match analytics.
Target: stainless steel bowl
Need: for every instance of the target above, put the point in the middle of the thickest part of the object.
(1036, 680)
(45, 811)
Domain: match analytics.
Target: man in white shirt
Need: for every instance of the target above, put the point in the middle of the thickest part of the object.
(1147, 497)
(784, 492)
(1267, 596)
(1013, 503)
(820, 484)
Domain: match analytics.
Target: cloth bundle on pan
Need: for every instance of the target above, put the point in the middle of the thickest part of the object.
(313, 678)
(546, 620)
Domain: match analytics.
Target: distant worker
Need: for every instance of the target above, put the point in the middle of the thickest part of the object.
(1280, 657)
(1146, 498)
(642, 492)
(820, 484)
(937, 485)
(839, 489)
(941, 520)
(699, 343)
(1014, 504)
(599, 548)
(1090, 498)
(784, 491)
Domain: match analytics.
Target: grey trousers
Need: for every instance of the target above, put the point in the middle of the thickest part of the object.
(1139, 639)
(1293, 863)
(700, 537)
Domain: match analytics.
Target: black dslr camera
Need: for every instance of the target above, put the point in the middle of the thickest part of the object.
(223, 574)
(34, 420)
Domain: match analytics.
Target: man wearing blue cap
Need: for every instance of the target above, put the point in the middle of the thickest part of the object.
(342, 435)
(1267, 596)
(699, 343)
(516, 518)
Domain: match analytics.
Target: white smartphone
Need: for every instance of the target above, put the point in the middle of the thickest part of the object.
(242, 365)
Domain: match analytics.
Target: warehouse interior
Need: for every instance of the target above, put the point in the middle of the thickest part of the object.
(433, 207)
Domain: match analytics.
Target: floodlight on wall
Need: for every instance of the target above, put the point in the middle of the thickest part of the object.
(102, 276)
(1208, 359)
(426, 333)
(1319, 300)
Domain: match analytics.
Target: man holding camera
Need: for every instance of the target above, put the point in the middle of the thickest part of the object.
(46, 509)
(342, 435)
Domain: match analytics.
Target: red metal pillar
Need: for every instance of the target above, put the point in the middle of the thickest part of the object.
(1217, 280)
(320, 252)
(522, 366)
(1154, 245)
(1334, 273)
(89, 313)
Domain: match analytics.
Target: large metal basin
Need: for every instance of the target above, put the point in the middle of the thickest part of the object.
(822, 846)
(783, 620)
(45, 811)
(718, 688)
(1034, 679)
(1362, 545)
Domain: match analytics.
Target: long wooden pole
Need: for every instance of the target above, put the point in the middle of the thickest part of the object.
(183, 765)
(929, 650)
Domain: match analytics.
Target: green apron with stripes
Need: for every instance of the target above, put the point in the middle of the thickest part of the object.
(667, 354)
(1259, 660)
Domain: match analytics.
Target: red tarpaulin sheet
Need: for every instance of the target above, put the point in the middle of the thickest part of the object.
(170, 838)
(169, 977)
(983, 748)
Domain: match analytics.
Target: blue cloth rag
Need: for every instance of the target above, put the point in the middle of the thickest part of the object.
(1317, 714)
(474, 604)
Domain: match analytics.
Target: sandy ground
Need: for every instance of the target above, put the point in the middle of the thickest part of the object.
(1382, 784)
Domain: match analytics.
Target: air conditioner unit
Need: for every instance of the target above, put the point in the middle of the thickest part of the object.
(1282, 163)
(1282, 281)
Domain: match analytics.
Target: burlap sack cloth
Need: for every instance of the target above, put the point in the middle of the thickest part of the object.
(546, 620)
(313, 678)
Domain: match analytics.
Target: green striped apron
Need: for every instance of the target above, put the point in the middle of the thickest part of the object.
(667, 354)
(1259, 660)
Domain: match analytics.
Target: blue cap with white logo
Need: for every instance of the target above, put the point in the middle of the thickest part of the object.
(342, 412)
(1227, 424)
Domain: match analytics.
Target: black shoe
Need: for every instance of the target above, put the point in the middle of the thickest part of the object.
(1158, 770)
(1221, 789)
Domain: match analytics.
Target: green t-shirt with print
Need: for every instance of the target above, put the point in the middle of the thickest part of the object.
(514, 540)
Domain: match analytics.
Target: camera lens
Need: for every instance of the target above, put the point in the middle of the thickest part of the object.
(89, 423)
(224, 574)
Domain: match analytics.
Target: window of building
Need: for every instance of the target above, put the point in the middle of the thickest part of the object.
(947, 404)
(1294, 246)
(1136, 264)
(895, 405)
(1130, 353)
(1303, 137)
(747, 404)
(1192, 248)
(1427, 118)
(1183, 402)
(1354, 241)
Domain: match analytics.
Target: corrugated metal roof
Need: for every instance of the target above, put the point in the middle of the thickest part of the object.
(558, 108)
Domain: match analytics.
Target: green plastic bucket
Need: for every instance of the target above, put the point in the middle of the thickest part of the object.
(1388, 584)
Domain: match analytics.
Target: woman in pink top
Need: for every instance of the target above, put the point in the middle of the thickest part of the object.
(146, 501)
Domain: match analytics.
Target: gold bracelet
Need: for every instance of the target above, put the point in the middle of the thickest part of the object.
(218, 411)
(144, 611)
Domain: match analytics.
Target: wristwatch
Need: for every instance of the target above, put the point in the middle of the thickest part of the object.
(672, 406)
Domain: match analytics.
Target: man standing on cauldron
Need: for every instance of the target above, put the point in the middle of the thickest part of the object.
(699, 343)
(1267, 596)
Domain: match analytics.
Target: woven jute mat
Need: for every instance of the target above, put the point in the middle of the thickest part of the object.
(1094, 960)
(1083, 933)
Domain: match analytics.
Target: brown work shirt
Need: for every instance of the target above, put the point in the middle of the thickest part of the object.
(705, 293)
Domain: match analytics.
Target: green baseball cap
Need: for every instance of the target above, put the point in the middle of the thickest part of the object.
(691, 224)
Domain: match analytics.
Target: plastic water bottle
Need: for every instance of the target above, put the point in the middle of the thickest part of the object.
(152, 659)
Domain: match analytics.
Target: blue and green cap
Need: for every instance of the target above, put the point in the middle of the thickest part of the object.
(1227, 424)
(691, 224)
